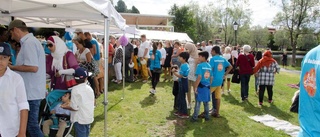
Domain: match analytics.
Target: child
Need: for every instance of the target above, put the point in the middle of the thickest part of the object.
(82, 104)
(14, 105)
(175, 88)
(202, 86)
(183, 85)
(62, 120)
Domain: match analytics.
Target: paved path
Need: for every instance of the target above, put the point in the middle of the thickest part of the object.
(290, 71)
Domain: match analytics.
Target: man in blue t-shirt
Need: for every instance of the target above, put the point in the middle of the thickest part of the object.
(309, 98)
(202, 85)
(218, 64)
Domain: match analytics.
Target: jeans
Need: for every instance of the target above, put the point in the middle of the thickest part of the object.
(82, 130)
(155, 79)
(33, 125)
(128, 72)
(197, 109)
(244, 80)
(183, 89)
(214, 104)
(256, 83)
(261, 92)
(175, 92)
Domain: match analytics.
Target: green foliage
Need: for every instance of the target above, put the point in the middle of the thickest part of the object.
(122, 8)
(184, 20)
(259, 36)
(281, 39)
(47, 32)
(295, 15)
(271, 42)
(134, 10)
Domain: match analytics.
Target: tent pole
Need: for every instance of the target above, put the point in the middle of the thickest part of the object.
(123, 69)
(106, 78)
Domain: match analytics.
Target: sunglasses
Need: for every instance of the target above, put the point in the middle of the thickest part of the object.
(49, 45)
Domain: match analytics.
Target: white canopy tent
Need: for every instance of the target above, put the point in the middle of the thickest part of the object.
(93, 14)
(165, 35)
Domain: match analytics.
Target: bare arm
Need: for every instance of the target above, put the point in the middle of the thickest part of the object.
(89, 57)
(23, 123)
(145, 52)
(93, 49)
(196, 84)
(24, 68)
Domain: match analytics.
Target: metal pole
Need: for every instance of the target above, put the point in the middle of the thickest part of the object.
(106, 78)
(235, 33)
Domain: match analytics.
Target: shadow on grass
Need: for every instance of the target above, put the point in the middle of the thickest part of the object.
(148, 101)
(100, 117)
(253, 109)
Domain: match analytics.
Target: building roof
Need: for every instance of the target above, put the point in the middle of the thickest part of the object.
(145, 19)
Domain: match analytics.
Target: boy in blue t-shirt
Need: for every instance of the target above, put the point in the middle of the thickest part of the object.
(218, 64)
(202, 85)
(183, 85)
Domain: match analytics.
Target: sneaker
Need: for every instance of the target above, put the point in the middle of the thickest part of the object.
(183, 116)
(202, 115)
(229, 90)
(176, 113)
(154, 91)
(206, 119)
(189, 107)
(270, 101)
(222, 92)
(145, 81)
(260, 104)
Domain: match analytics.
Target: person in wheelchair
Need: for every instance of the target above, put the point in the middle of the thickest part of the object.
(59, 117)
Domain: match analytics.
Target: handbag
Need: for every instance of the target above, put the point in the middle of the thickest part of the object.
(69, 79)
(91, 67)
(235, 77)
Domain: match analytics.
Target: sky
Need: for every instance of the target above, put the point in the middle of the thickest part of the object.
(262, 12)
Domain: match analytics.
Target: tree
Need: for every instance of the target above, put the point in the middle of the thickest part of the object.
(134, 10)
(121, 6)
(259, 36)
(225, 13)
(281, 39)
(184, 20)
(296, 14)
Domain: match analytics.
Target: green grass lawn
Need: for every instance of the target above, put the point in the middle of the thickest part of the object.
(141, 115)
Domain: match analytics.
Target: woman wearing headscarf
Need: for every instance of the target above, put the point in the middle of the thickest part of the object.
(193, 62)
(265, 71)
(60, 63)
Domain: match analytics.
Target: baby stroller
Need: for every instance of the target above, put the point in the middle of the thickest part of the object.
(52, 100)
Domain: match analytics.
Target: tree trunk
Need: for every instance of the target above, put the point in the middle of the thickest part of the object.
(293, 43)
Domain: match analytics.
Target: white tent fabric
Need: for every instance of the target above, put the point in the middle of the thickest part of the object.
(165, 35)
(66, 13)
(85, 14)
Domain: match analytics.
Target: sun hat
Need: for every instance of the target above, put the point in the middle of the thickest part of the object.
(17, 23)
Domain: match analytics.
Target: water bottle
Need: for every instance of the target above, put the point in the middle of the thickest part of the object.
(55, 119)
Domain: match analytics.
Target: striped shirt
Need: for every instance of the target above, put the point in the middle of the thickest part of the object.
(266, 74)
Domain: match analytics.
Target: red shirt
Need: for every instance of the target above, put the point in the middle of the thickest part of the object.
(245, 63)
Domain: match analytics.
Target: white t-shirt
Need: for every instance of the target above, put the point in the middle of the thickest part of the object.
(163, 55)
(227, 56)
(82, 57)
(82, 100)
(13, 99)
(192, 66)
(144, 45)
(234, 53)
(209, 49)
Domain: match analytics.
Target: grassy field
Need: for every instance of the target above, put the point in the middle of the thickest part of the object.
(142, 115)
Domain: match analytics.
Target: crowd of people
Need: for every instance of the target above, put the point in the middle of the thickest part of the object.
(201, 70)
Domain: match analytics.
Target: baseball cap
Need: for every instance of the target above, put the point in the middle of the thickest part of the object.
(78, 30)
(80, 73)
(4, 49)
(17, 23)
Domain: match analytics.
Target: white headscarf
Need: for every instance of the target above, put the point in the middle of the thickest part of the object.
(61, 50)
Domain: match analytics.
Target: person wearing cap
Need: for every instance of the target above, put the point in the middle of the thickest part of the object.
(14, 105)
(30, 64)
(82, 104)
(218, 64)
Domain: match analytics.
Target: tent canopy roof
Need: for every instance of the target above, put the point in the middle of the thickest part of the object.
(62, 13)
